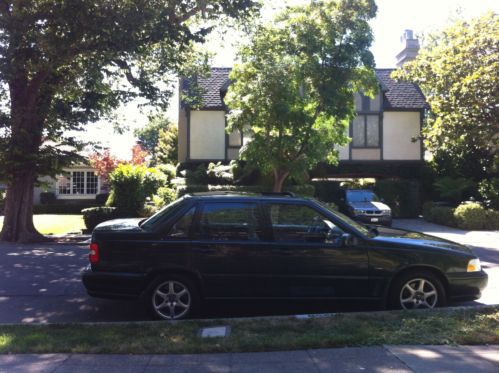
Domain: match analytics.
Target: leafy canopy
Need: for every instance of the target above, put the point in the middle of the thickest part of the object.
(457, 70)
(293, 90)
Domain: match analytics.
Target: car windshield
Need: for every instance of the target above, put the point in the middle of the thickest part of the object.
(361, 196)
(148, 223)
(361, 228)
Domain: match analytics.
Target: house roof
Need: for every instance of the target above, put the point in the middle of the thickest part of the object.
(396, 95)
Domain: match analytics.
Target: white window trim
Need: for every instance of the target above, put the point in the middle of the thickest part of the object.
(77, 196)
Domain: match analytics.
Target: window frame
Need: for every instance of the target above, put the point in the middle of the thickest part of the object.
(259, 226)
(69, 175)
(365, 146)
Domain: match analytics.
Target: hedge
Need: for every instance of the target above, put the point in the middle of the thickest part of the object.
(468, 216)
(401, 195)
(95, 215)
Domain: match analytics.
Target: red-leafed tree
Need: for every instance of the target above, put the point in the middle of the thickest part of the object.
(139, 155)
(104, 163)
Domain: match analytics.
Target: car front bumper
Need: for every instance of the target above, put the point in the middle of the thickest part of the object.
(379, 219)
(467, 286)
(113, 284)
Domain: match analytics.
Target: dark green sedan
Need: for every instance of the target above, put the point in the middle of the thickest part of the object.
(272, 246)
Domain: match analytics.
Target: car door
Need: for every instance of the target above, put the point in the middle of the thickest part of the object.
(310, 255)
(228, 251)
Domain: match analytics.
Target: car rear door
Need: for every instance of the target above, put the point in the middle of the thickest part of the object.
(228, 252)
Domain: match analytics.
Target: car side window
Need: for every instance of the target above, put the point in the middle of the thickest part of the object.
(299, 223)
(230, 221)
(182, 226)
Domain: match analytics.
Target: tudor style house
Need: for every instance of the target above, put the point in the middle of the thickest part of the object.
(385, 131)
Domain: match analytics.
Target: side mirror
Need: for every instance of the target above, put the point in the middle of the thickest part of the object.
(347, 239)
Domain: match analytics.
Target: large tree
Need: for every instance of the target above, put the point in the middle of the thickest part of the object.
(64, 63)
(457, 70)
(294, 87)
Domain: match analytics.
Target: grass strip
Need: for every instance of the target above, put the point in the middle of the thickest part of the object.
(460, 326)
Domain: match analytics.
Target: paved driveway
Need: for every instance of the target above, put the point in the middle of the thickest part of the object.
(41, 283)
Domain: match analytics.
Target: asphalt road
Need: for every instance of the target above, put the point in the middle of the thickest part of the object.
(41, 283)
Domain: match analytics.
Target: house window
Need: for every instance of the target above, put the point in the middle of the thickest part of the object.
(365, 131)
(78, 183)
(235, 139)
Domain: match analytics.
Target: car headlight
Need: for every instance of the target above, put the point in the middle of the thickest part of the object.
(474, 265)
(357, 212)
(386, 212)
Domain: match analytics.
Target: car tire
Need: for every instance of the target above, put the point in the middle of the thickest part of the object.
(172, 297)
(417, 290)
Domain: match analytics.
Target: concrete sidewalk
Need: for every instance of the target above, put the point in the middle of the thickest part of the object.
(357, 359)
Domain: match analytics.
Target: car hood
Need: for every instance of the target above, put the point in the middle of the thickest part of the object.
(405, 237)
(120, 225)
(369, 205)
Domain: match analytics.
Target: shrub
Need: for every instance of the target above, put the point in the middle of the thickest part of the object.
(327, 190)
(147, 210)
(131, 185)
(401, 195)
(164, 196)
(306, 190)
(95, 215)
(442, 215)
(471, 216)
(453, 189)
(426, 210)
(219, 174)
(198, 176)
(169, 170)
(489, 192)
(63, 208)
(101, 198)
(47, 198)
(2, 200)
(366, 183)
(492, 220)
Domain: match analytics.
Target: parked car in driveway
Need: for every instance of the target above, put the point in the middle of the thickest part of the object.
(271, 246)
(365, 206)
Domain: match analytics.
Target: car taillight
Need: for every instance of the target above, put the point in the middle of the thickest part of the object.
(93, 256)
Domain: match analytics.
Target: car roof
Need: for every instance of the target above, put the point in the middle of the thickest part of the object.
(285, 196)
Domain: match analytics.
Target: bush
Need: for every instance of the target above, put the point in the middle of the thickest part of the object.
(131, 185)
(471, 216)
(2, 200)
(453, 190)
(219, 174)
(489, 192)
(164, 196)
(401, 195)
(327, 190)
(63, 208)
(442, 215)
(306, 190)
(47, 198)
(492, 220)
(95, 215)
(426, 210)
(147, 210)
(169, 170)
(101, 198)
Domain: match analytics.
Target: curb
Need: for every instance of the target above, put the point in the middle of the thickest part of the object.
(256, 318)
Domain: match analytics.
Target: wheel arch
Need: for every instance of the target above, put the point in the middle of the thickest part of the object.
(190, 274)
(415, 268)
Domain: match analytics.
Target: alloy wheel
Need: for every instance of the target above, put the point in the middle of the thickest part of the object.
(418, 293)
(171, 300)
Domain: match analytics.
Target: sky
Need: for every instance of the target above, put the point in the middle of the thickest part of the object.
(393, 17)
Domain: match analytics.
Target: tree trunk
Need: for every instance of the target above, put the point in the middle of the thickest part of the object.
(18, 223)
(279, 179)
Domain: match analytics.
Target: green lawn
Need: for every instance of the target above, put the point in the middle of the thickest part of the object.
(56, 224)
(443, 326)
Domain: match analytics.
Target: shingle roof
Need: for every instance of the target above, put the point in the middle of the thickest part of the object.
(397, 95)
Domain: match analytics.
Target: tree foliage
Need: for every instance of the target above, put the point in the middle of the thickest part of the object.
(457, 71)
(65, 63)
(293, 90)
(148, 135)
(166, 151)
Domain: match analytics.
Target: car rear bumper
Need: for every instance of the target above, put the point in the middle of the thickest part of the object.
(113, 284)
(467, 286)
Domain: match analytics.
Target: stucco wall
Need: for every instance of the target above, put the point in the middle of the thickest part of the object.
(207, 134)
(366, 154)
(398, 130)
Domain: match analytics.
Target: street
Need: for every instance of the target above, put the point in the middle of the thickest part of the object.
(40, 283)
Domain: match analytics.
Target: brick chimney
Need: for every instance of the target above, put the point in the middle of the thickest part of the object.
(410, 47)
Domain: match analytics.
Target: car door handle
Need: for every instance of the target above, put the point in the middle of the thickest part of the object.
(204, 250)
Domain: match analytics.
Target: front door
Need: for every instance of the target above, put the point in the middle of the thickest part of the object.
(310, 255)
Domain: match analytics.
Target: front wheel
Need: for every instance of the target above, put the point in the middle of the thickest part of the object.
(172, 298)
(417, 290)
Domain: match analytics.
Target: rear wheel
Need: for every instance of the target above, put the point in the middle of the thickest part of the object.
(417, 290)
(172, 297)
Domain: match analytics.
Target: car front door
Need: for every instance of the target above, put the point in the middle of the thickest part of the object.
(312, 256)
